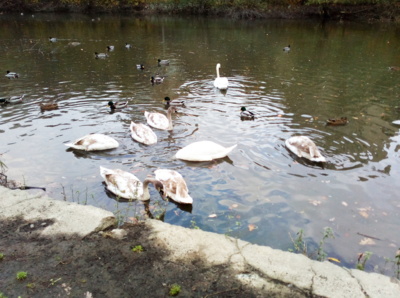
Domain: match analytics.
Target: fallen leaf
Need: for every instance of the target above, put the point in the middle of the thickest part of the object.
(314, 202)
(364, 213)
(334, 260)
(344, 204)
(367, 241)
(252, 227)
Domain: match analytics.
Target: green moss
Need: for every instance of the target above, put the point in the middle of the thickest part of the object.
(174, 290)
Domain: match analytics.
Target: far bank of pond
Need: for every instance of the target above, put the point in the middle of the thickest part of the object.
(247, 9)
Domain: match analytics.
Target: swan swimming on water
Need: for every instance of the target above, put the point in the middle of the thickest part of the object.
(160, 121)
(174, 186)
(203, 151)
(94, 142)
(127, 185)
(302, 146)
(220, 82)
(142, 133)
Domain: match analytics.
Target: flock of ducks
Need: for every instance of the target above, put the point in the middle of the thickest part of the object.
(169, 183)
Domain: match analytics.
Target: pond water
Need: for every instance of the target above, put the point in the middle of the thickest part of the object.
(260, 193)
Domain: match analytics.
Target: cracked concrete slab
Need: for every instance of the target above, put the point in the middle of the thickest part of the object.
(264, 268)
(68, 218)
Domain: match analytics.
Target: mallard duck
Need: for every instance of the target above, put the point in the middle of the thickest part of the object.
(12, 75)
(48, 106)
(127, 185)
(396, 68)
(220, 82)
(140, 66)
(110, 48)
(117, 105)
(160, 121)
(175, 102)
(337, 121)
(94, 142)
(100, 55)
(245, 114)
(52, 39)
(142, 133)
(163, 62)
(12, 99)
(302, 146)
(287, 49)
(128, 46)
(174, 186)
(203, 151)
(157, 79)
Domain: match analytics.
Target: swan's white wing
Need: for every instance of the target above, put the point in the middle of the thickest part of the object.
(94, 142)
(157, 120)
(143, 134)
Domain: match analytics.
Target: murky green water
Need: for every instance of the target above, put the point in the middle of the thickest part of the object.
(260, 193)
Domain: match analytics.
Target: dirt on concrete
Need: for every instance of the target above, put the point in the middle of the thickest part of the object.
(100, 266)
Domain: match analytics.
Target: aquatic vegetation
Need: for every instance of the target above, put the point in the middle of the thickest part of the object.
(362, 260)
(300, 245)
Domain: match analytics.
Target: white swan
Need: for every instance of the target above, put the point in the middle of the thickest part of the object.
(302, 146)
(127, 185)
(203, 151)
(142, 133)
(93, 142)
(160, 121)
(174, 186)
(220, 82)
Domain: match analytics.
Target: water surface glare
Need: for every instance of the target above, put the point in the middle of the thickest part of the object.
(260, 193)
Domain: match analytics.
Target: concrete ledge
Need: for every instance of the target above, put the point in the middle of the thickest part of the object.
(269, 270)
(70, 219)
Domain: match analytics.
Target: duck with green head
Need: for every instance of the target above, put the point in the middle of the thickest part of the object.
(117, 105)
(174, 102)
(245, 114)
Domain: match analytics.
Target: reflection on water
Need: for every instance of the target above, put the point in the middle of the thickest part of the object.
(261, 192)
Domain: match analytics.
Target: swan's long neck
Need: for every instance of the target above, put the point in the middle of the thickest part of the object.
(217, 70)
(146, 193)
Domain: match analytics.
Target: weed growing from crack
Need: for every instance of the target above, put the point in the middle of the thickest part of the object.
(1, 256)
